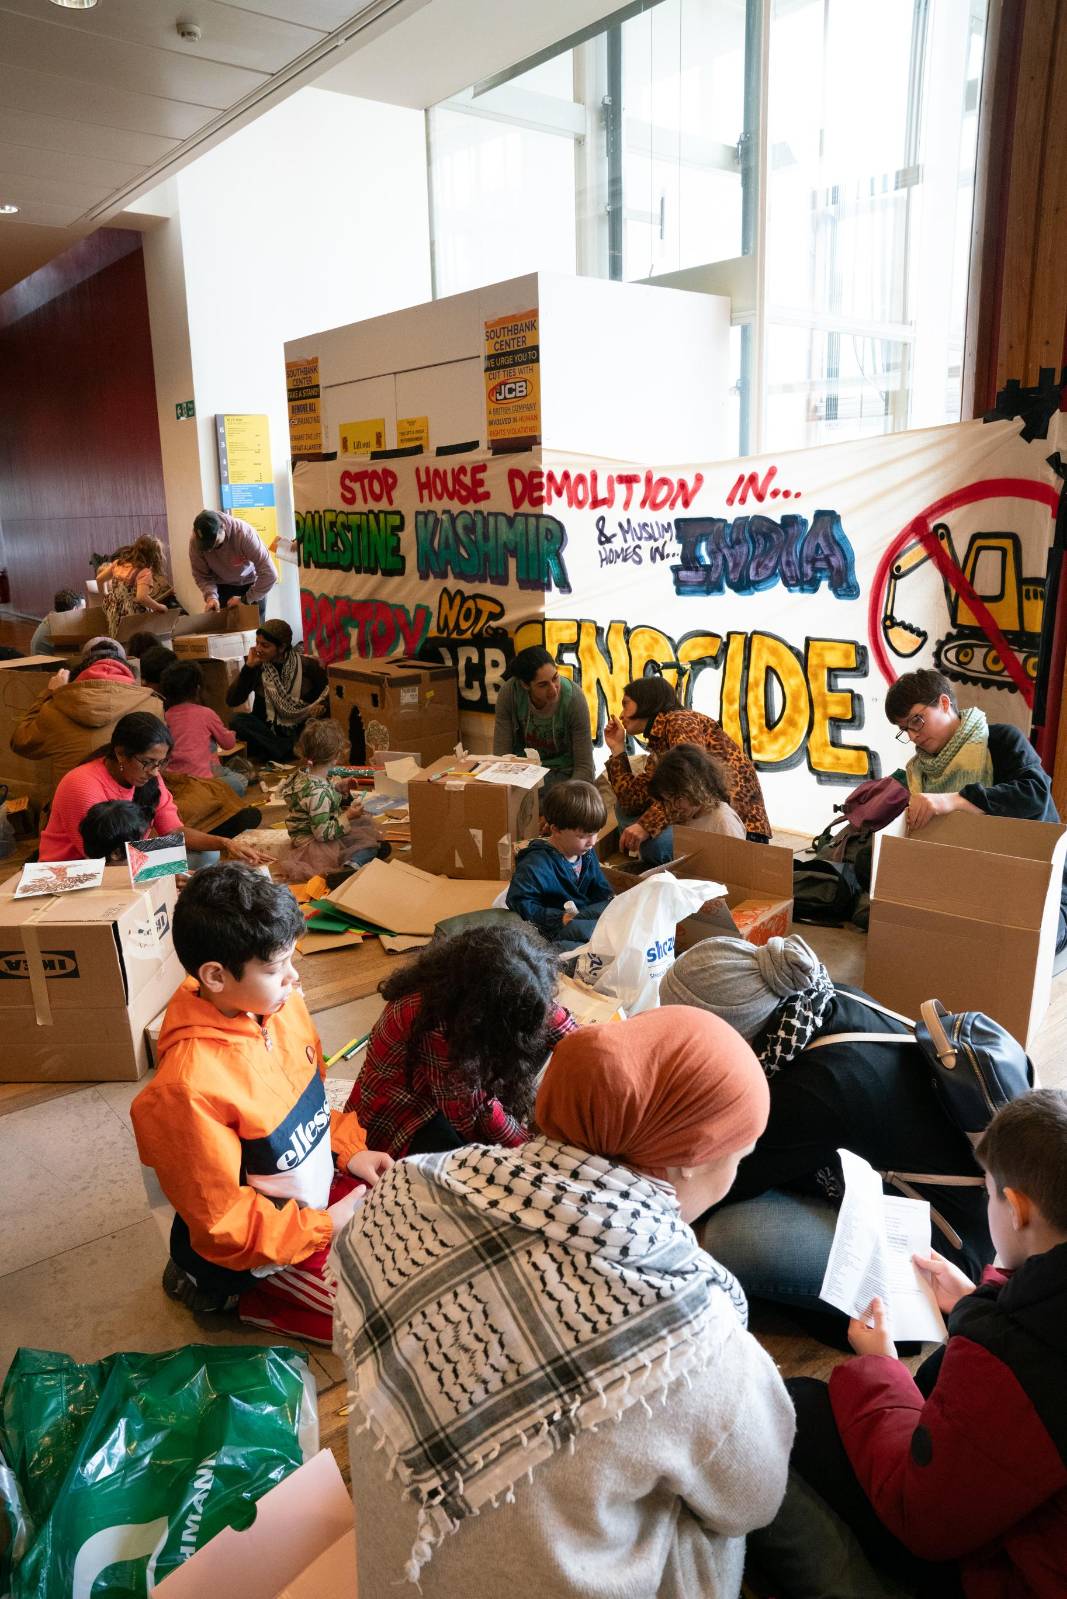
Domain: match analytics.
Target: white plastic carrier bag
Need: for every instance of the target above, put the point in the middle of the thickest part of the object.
(633, 942)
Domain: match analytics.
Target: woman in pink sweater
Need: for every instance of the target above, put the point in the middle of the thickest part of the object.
(129, 768)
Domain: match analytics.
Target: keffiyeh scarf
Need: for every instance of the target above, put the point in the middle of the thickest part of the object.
(281, 691)
(795, 1023)
(493, 1304)
(964, 759)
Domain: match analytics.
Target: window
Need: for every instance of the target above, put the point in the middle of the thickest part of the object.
(635, 151)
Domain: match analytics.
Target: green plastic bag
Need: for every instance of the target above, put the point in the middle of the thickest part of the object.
(124, 1468)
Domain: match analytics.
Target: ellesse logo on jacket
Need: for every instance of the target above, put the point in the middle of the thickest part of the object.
(294, 1161)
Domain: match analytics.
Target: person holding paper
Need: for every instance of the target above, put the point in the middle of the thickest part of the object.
(964, 763)
(553, 1388)
(651, 707)
(874, 1098)
(954, 1480)
(540, 710)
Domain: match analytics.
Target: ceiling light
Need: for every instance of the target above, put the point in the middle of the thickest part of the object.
(75, 5)
(8, 210)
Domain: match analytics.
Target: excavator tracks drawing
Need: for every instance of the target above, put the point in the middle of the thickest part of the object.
(992, 565)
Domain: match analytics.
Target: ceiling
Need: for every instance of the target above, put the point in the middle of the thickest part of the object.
(97, 106)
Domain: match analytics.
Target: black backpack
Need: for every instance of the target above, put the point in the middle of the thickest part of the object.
(825, 892)
(976, 1067)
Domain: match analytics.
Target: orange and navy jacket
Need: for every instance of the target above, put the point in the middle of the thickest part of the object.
(238, 1128)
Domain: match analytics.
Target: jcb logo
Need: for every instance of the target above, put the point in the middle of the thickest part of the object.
(54, 963)
(514, 389)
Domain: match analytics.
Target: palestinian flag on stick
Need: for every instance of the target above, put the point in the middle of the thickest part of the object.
(157, 857)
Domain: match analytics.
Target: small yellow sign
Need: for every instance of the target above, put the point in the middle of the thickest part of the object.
(305, 406)
(513, 381)
(264, 518)
(247, 441)
(360, 438)
(413, 430)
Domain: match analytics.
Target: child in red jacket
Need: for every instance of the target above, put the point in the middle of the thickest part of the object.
(260, 1171)
(955, 1481)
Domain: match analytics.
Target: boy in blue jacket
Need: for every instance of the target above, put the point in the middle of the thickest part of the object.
(557, 884)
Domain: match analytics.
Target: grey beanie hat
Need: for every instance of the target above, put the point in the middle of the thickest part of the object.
(741, 982)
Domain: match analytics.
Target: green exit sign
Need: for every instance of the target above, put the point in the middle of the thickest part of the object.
(184, 409)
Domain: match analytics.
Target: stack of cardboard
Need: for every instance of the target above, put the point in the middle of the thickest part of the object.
(394, 897)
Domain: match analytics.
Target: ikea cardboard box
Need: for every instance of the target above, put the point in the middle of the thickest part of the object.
(22, 681)
(759, 882)
(81, 976)
(300, 1545)
(400, 704)
(461, 827)
(966, 910)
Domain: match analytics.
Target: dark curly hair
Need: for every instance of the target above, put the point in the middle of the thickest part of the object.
(688, 772)
(491, 991)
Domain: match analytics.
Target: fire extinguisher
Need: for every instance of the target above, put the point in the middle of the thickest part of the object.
(5, 587)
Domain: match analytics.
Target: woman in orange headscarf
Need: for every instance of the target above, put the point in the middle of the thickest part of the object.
(497, 1306)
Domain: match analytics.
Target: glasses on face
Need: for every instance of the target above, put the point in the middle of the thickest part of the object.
(148, 765)
(911, 729)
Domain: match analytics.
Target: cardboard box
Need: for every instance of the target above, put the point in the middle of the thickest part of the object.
(81, 976)
(751, 872)
(214, 646)
(458, 824)
(966, 911)
(217, 678)
(403, 703)
(22, 681)
(403, 899)
(301, 1545)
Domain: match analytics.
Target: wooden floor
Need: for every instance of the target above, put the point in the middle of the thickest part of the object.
(341, 977)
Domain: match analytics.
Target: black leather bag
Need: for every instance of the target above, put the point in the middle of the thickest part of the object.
(977, 1065)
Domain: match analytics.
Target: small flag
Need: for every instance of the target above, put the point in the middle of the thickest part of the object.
(157, 857)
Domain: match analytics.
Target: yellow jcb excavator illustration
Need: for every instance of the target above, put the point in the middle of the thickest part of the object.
(993, 567)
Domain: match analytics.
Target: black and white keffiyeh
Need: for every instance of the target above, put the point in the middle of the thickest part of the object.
(281, 685)
(795, 1023)
(492, 1304)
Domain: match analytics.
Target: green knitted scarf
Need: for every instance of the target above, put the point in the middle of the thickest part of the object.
(964, 759)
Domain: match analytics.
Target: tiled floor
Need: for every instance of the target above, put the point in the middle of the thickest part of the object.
(81, 1255)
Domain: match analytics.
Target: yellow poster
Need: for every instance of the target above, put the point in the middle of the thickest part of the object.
(360, 438)
(413, 430)
(513, 381)
(305, 406)
(247, 442)
(264, 518)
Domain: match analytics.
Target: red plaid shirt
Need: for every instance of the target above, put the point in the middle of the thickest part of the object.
(394, 1094)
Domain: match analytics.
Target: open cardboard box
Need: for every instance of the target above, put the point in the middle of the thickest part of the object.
(759, 879)
(301, 1545)
(459, 825)
(81, 976)
(405, 702)
(403, 899)
(966, 911)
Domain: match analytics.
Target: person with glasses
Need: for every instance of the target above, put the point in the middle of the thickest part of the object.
(962, 762)
(130, 768)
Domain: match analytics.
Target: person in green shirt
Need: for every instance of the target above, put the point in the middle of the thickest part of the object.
(540, 710)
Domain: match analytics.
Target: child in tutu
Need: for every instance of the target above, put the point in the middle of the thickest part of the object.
(326, 827)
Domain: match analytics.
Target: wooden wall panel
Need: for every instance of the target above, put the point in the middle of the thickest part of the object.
(80, 463)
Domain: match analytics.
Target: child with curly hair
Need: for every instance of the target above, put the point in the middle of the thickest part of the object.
(454, 1059)
(691, 785)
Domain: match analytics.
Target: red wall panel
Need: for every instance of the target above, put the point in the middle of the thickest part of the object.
(80, 464)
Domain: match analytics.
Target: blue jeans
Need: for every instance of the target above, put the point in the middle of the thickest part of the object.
(776, 1245)
(654, 851)
(235, 780)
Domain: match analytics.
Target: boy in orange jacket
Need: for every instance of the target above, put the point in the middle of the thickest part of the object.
(260, 1171)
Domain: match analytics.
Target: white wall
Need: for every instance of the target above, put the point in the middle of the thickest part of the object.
(313, 216)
